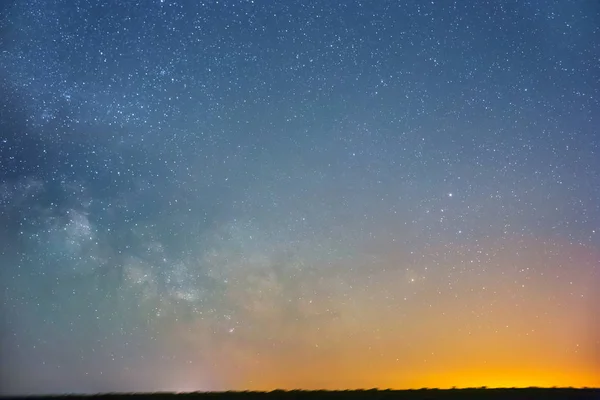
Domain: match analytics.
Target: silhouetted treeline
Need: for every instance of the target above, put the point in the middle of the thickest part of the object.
(371, 394)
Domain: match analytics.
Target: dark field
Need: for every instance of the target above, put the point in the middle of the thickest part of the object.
(373, 394)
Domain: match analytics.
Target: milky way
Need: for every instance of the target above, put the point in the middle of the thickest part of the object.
(298, 194)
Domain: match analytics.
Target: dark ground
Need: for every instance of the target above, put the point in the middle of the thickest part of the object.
(373, 394)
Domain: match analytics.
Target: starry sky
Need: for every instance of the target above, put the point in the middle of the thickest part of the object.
(259, 194)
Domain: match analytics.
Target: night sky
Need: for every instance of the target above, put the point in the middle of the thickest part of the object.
(298, 194)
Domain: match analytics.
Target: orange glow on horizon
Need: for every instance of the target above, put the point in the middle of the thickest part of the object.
(501, 329)
(468, 378)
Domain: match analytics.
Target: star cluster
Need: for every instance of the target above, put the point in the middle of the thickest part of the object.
(249, 194)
